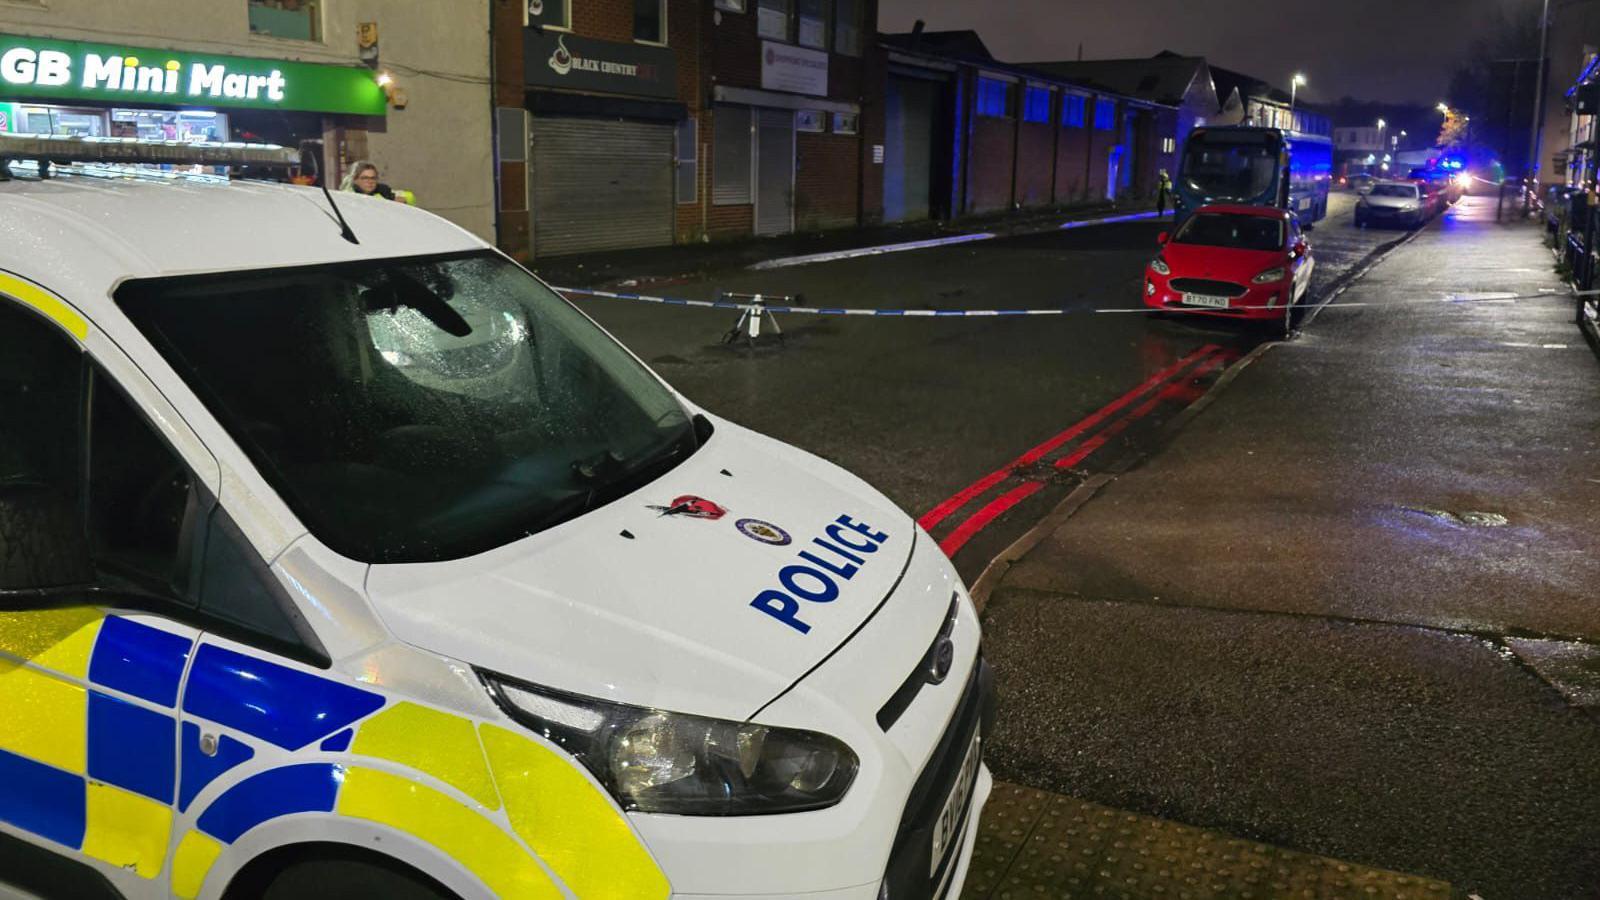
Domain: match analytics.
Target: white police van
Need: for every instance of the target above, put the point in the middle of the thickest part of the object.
(339, 556)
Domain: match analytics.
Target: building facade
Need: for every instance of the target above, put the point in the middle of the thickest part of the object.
(1166, 79)
(639, 124)
(968, 135)
(277, 71)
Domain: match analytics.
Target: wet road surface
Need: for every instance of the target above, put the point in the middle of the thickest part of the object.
(925, 409)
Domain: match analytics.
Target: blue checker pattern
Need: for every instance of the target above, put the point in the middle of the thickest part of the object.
(262, 699)
(131, 747)
(270, 794)
(139, 660)
(42, 799)
(199, 770)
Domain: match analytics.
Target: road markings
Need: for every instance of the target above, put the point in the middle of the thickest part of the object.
(787, 261)
(1209, 357)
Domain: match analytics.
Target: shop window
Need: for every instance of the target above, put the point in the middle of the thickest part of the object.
(299, 20)
(1105, 115)
(688, 164)
(846, 123)
(650, 21)
(731, 155)
(772, 19)
(847, 27)
(995, 98)
(1073, 110)
(555, 14)
(812, 23)
(1036, 105)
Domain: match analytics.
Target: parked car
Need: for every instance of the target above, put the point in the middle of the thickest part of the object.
(1361, 182)
(1251, 262)
(1394, 203)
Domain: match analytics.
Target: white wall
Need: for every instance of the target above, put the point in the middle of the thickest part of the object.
(439, 146)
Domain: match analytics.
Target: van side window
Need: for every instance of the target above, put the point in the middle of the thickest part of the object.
(41, 396)
(139, 495)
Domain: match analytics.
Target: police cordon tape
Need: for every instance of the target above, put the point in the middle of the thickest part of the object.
(759, 305)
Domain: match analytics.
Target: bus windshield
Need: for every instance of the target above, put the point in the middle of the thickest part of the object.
(1220, 170)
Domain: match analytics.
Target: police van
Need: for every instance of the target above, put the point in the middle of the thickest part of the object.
(340, 556)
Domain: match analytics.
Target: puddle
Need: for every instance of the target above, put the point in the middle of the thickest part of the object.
(1468, 519)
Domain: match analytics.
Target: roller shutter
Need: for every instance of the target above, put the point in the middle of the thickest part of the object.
(601, 184)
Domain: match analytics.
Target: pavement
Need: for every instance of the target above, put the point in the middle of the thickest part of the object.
(687, 262)
(1348, 609)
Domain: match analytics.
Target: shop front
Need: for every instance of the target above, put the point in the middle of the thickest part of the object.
(112, 90)
(602, 135)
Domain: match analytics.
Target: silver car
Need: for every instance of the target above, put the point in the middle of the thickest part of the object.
(1392, 203)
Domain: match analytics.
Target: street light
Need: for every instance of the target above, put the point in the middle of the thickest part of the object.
(1294, 87)
(1443, 107)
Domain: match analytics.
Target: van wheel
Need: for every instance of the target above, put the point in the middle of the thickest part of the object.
(333, 874)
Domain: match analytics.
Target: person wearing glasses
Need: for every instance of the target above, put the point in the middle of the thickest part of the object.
(363, 179)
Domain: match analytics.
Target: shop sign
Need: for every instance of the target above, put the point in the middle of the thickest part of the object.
(555, 59)
(40, 69)
(794, 69)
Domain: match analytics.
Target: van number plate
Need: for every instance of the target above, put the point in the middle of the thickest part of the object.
(948, 826)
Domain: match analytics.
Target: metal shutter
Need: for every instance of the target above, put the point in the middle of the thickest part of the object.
(601, 185)
(730, 156)
(775, 172)
(908, 157)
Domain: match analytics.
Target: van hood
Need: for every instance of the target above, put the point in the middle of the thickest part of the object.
(709, 591)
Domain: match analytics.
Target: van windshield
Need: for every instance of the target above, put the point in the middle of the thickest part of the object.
(416, 410)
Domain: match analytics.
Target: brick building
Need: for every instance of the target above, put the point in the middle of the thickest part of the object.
(627, 124)
(966, 134)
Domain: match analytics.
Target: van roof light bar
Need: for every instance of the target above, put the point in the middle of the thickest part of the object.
(56, 148)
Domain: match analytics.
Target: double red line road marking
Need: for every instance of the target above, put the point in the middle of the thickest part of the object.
(1162, 387)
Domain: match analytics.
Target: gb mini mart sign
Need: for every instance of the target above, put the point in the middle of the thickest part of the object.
(42, 70)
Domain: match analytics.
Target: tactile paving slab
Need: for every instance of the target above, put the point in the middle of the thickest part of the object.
(1033, 844)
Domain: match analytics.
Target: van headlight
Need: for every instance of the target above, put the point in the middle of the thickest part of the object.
(1270, 275)
(665, 762)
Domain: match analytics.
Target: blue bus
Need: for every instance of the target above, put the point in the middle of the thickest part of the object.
(1255, 167)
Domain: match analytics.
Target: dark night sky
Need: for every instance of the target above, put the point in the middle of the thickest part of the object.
(1386, 50)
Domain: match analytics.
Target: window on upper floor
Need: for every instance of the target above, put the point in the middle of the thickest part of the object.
(731, 5)
(847, 27)
(773, 19)
(1105, 115)
(650, 21)
(1036, 105)
(299, 20)
(1074, 110)
(555, 14)
(811, 23)
(996, 98)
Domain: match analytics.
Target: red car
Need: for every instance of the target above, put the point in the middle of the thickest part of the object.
(1249, 262)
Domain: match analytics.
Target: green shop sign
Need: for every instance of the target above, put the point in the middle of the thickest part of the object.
(40, 69)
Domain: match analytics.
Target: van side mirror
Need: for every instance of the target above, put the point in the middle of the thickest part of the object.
(43, 549)
(1162, 238)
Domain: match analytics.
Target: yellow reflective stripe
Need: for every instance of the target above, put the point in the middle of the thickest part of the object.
(573, 827)
(43, 718)
(438, 743)
(127, 830)
(57, 639)
(474, 842)
(192, 861)
(52, 306)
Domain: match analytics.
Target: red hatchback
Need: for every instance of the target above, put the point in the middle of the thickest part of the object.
(1247, 262)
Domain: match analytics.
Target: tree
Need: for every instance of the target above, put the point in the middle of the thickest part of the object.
(1453, 133)
(1495, 83)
